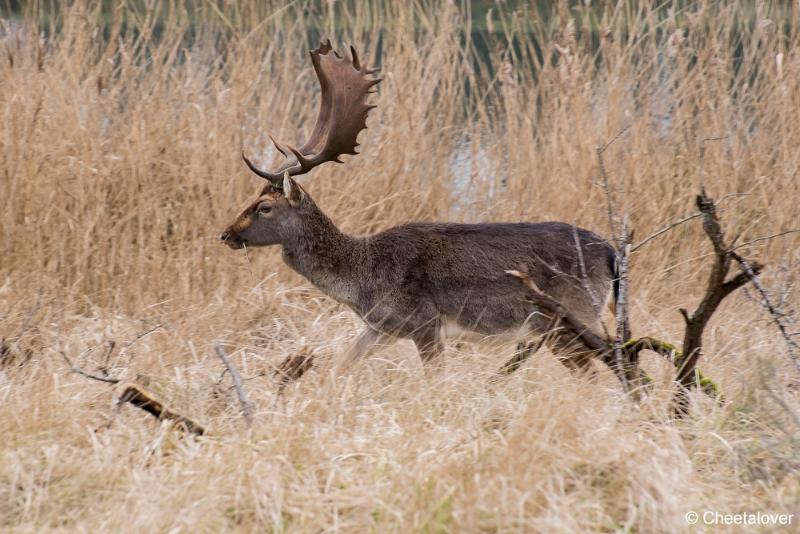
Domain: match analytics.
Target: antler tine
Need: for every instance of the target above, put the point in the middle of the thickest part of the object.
(279, 147)
(275, 178)
(345, 83)
(264, 174)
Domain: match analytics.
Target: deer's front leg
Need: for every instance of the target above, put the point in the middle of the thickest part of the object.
(428, 339)
(366, 340)
(401, 315)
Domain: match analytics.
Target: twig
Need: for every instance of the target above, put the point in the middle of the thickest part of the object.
(752, 274)
(81, 372)
(584, 276)
(619, 134)
(766, 238)
(111, 345)
(779, 398)
(664, 230)
(139, 337)
(679, 222)
(141, 399)
(247, 407)
(606, 187)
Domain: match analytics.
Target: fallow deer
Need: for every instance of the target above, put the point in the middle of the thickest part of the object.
(418, 279)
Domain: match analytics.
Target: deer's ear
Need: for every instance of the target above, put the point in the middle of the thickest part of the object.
(292, 191)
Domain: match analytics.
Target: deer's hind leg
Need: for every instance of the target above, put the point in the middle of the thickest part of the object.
(571, 354)
(524, 351)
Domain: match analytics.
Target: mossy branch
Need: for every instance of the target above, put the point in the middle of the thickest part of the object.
(676, 358)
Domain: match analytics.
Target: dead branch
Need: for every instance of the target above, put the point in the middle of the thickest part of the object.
(584, 275)
(566, 327)
(136, 396)
(766, 238)
(292, 368)
(675, 357)
(244, 402)
(688, 218)
(751, 273)
(606, 186)
(622, 353)
(524, 351)
(567, 321)
(717, 289)
(138, 338)
(622, 359)
(78, 370)
(664, 230)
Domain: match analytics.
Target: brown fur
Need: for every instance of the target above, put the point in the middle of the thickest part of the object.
(408, 281)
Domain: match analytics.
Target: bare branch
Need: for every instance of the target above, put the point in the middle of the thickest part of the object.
(664, 230)
(141, 399)
(752, 274)
(716, 290)
(81, 372)
(138, 338)
(619, 134)
(610, 206)
(575, 327)
(740, 280)
(247, 406)
(570, 329)
(766, 238)
(696, 322)
(623, 320)
(584, 276)
(679, 222)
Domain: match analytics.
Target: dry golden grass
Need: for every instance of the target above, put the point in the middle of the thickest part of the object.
(120, 135)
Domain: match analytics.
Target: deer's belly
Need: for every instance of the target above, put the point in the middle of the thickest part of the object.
(453, 329)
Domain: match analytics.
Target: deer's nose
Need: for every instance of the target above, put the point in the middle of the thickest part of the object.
(224, 236)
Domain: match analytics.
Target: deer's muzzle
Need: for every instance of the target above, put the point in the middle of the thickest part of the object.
(232, 239)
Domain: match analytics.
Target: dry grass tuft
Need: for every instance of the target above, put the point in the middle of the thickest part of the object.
(120, 135)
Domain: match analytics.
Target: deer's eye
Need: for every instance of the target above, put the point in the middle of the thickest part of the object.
(264, 209)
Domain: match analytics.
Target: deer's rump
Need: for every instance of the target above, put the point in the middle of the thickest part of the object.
(460, 269)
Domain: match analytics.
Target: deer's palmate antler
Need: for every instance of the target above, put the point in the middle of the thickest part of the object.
(345, 83)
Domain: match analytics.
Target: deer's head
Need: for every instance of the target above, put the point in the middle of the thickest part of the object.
(278, 213)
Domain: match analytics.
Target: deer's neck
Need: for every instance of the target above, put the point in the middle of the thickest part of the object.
(327, 257)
